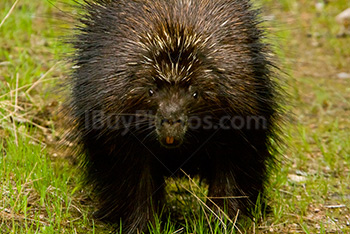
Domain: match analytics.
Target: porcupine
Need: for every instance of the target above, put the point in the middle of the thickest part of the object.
(164, 86)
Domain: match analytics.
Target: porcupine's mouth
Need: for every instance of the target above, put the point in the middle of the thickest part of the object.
(171, 136)
(171, 129)
(170, 142)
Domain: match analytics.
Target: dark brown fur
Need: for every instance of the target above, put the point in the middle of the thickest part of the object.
(145, 73)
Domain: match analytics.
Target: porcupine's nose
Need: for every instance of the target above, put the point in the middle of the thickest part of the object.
(172, 122)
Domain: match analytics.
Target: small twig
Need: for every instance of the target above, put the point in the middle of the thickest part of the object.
(77, 209)
(178, 231)
(335, 206)
(9, 13)
(235, 221)
(233, 197)
(41, 78)
(302, 217)
(286, 192)
(207, 218)
(5, 117)
(9, 104)
(23, 119)
(15, 110)
(23, 87)
(254, 226)
(16, 94)
(35, 140)
(73, 220)
(5, 63)
(202, 207)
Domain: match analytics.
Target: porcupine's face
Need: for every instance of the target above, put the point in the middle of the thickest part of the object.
(177, 80)
(173, 103)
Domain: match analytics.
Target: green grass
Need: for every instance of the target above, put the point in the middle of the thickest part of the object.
(35, 194)
(40, 188)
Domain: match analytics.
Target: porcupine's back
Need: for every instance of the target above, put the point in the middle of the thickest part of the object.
(124, 44)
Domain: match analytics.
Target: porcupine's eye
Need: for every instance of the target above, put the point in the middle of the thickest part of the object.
(150, 92)
(195, 95)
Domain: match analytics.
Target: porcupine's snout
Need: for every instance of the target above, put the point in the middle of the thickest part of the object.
(171, 124)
